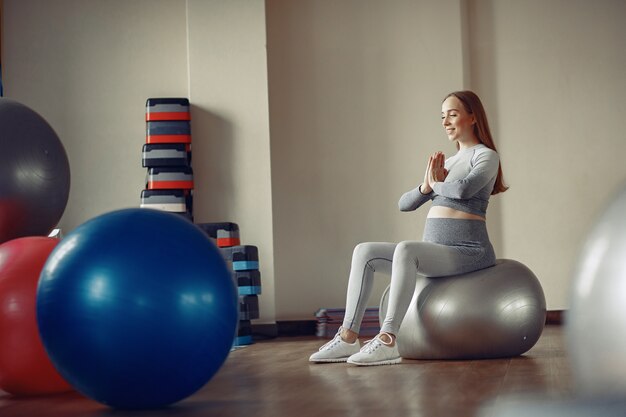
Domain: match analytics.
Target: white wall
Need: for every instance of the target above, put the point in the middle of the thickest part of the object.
(88, 68)
(354, 99)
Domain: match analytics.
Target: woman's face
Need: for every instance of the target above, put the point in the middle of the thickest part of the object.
(457, 122)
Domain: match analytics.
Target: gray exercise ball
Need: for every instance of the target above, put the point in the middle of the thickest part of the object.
(34, 173)
(596, 320)
(495, 312)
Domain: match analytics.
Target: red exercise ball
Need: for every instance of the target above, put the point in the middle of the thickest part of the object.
(24, 365)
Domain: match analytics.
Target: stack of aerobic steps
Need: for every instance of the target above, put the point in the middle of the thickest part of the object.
(169, 187)
(243, 261)
(329, 320)
(167, 156)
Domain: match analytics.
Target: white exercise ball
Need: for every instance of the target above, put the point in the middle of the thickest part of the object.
(596, 321)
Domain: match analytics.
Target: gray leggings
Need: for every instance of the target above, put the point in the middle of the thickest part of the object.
(449, 247)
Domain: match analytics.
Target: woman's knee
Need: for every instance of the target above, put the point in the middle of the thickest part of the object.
(406, 251)
(364, 250)
(369, 252)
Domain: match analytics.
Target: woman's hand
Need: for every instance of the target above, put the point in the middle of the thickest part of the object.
(435, 172)
(425, 187)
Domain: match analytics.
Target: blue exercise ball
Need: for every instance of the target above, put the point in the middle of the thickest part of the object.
(34, 173)
(137, 308)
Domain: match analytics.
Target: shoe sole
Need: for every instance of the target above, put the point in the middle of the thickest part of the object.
(338, 360)
(385, 362)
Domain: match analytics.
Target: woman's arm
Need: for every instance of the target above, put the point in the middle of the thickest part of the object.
(484, 169)
(412, 200)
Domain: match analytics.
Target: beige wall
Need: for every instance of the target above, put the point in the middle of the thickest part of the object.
(354, 92)
(228, 89)
(553, 74)
(88, 68)
(355, 89)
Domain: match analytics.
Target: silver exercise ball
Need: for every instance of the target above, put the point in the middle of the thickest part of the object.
(596, 321)
(491, 313)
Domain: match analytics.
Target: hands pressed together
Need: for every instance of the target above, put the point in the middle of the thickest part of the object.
(435, 172)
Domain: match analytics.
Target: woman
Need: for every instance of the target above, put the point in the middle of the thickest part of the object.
(455, 237)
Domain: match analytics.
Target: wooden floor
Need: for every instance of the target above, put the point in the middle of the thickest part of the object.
(274, 378)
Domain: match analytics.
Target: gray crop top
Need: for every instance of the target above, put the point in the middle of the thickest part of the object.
(471, 176)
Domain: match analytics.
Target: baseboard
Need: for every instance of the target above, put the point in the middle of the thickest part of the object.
(264, 331)
(290, 328)
(555, 317)
(287, 328)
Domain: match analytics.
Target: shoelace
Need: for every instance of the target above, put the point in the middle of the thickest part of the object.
(331, 342)
(372, 344)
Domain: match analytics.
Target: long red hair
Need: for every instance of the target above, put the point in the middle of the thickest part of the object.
(474, 106)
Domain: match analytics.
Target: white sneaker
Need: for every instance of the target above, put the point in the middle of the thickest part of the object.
(335, 351)
(376, 352)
